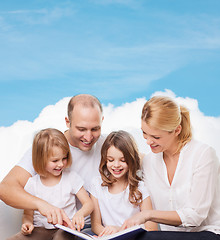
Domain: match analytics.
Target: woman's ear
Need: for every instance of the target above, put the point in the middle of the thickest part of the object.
(178, 130)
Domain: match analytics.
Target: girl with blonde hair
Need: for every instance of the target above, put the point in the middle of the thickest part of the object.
(56, 184)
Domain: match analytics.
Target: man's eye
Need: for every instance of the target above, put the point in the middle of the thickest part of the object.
(95, 129)
(81, 129)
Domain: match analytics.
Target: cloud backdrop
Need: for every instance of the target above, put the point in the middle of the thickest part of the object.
(16, 139)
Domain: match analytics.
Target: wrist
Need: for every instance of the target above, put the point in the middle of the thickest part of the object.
(147, 215)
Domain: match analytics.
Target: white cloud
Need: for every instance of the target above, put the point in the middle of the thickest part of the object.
(16, 139)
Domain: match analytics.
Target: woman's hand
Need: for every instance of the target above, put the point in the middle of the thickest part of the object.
(109, 230)
(137, 219)
(27, 228)
(78, 221)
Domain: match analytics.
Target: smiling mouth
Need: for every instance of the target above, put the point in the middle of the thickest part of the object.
(154, 146)
(117, 171)
(86, 143)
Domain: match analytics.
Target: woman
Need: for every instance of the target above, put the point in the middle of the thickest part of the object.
(181, 174)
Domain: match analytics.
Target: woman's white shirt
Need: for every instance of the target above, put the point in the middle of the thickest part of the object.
(195, 190)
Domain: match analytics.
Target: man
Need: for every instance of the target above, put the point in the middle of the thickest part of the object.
(84, 129)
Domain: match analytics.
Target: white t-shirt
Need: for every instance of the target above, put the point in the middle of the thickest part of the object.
(115, 208)
(85, 163)
(62, 195)
(195, 189)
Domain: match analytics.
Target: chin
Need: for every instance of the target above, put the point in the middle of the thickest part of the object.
(85, 149)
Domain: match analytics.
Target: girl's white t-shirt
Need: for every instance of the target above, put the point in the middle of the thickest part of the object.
(62, 195)
(115, 208)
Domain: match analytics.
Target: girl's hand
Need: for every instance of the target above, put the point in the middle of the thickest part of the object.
(27, 228)
(78, 221)
(109, 230)
(137, 219)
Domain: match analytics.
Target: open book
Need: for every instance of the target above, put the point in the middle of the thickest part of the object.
(128, 233)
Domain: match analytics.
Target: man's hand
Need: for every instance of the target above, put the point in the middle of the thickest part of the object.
(27, 228)
(54, 214)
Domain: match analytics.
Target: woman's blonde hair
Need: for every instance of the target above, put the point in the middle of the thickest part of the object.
(165, 114)
(42, 148)
(124, 142)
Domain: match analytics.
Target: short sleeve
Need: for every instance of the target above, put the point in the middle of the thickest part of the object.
(26, 162)
(29, 187)
(143, 189)
(75, 181)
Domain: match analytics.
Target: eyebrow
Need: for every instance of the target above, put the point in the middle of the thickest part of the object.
(150, 134)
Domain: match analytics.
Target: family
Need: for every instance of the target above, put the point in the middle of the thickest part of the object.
(103, 184)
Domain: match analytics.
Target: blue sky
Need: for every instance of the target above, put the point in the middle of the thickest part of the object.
(118, 50)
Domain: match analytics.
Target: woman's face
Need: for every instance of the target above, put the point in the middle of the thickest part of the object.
(160, 140)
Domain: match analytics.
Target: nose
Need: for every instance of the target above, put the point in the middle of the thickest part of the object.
(88, 136)
(60, 163)
(149, 141)
(116, 163)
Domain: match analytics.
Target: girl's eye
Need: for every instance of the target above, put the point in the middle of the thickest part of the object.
(110, 160)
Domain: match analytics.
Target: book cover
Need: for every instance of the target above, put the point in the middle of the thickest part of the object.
(128, 233)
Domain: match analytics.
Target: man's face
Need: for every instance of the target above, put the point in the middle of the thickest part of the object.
(84, 127)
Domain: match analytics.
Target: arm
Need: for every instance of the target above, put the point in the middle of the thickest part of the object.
(147, 205)
(164, 217)
(85, 210)
(27, 226)
(12, 193)
(96, 221)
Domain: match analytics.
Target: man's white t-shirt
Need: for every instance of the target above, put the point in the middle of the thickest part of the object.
(61, 195)
(115, 208)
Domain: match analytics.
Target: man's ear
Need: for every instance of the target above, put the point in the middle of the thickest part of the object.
(178, 130)
(67, 122)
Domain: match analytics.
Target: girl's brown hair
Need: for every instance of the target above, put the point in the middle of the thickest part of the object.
(124, 142)
(163, 113)
(42, 148)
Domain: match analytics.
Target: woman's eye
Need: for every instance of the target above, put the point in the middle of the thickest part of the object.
(157, 137)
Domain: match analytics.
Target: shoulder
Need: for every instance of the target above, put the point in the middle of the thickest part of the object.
(26, 162)
(201, 154)
(32, 183)
(198, 148)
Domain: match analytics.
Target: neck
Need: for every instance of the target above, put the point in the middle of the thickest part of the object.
(50, 180)
(118, 186)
